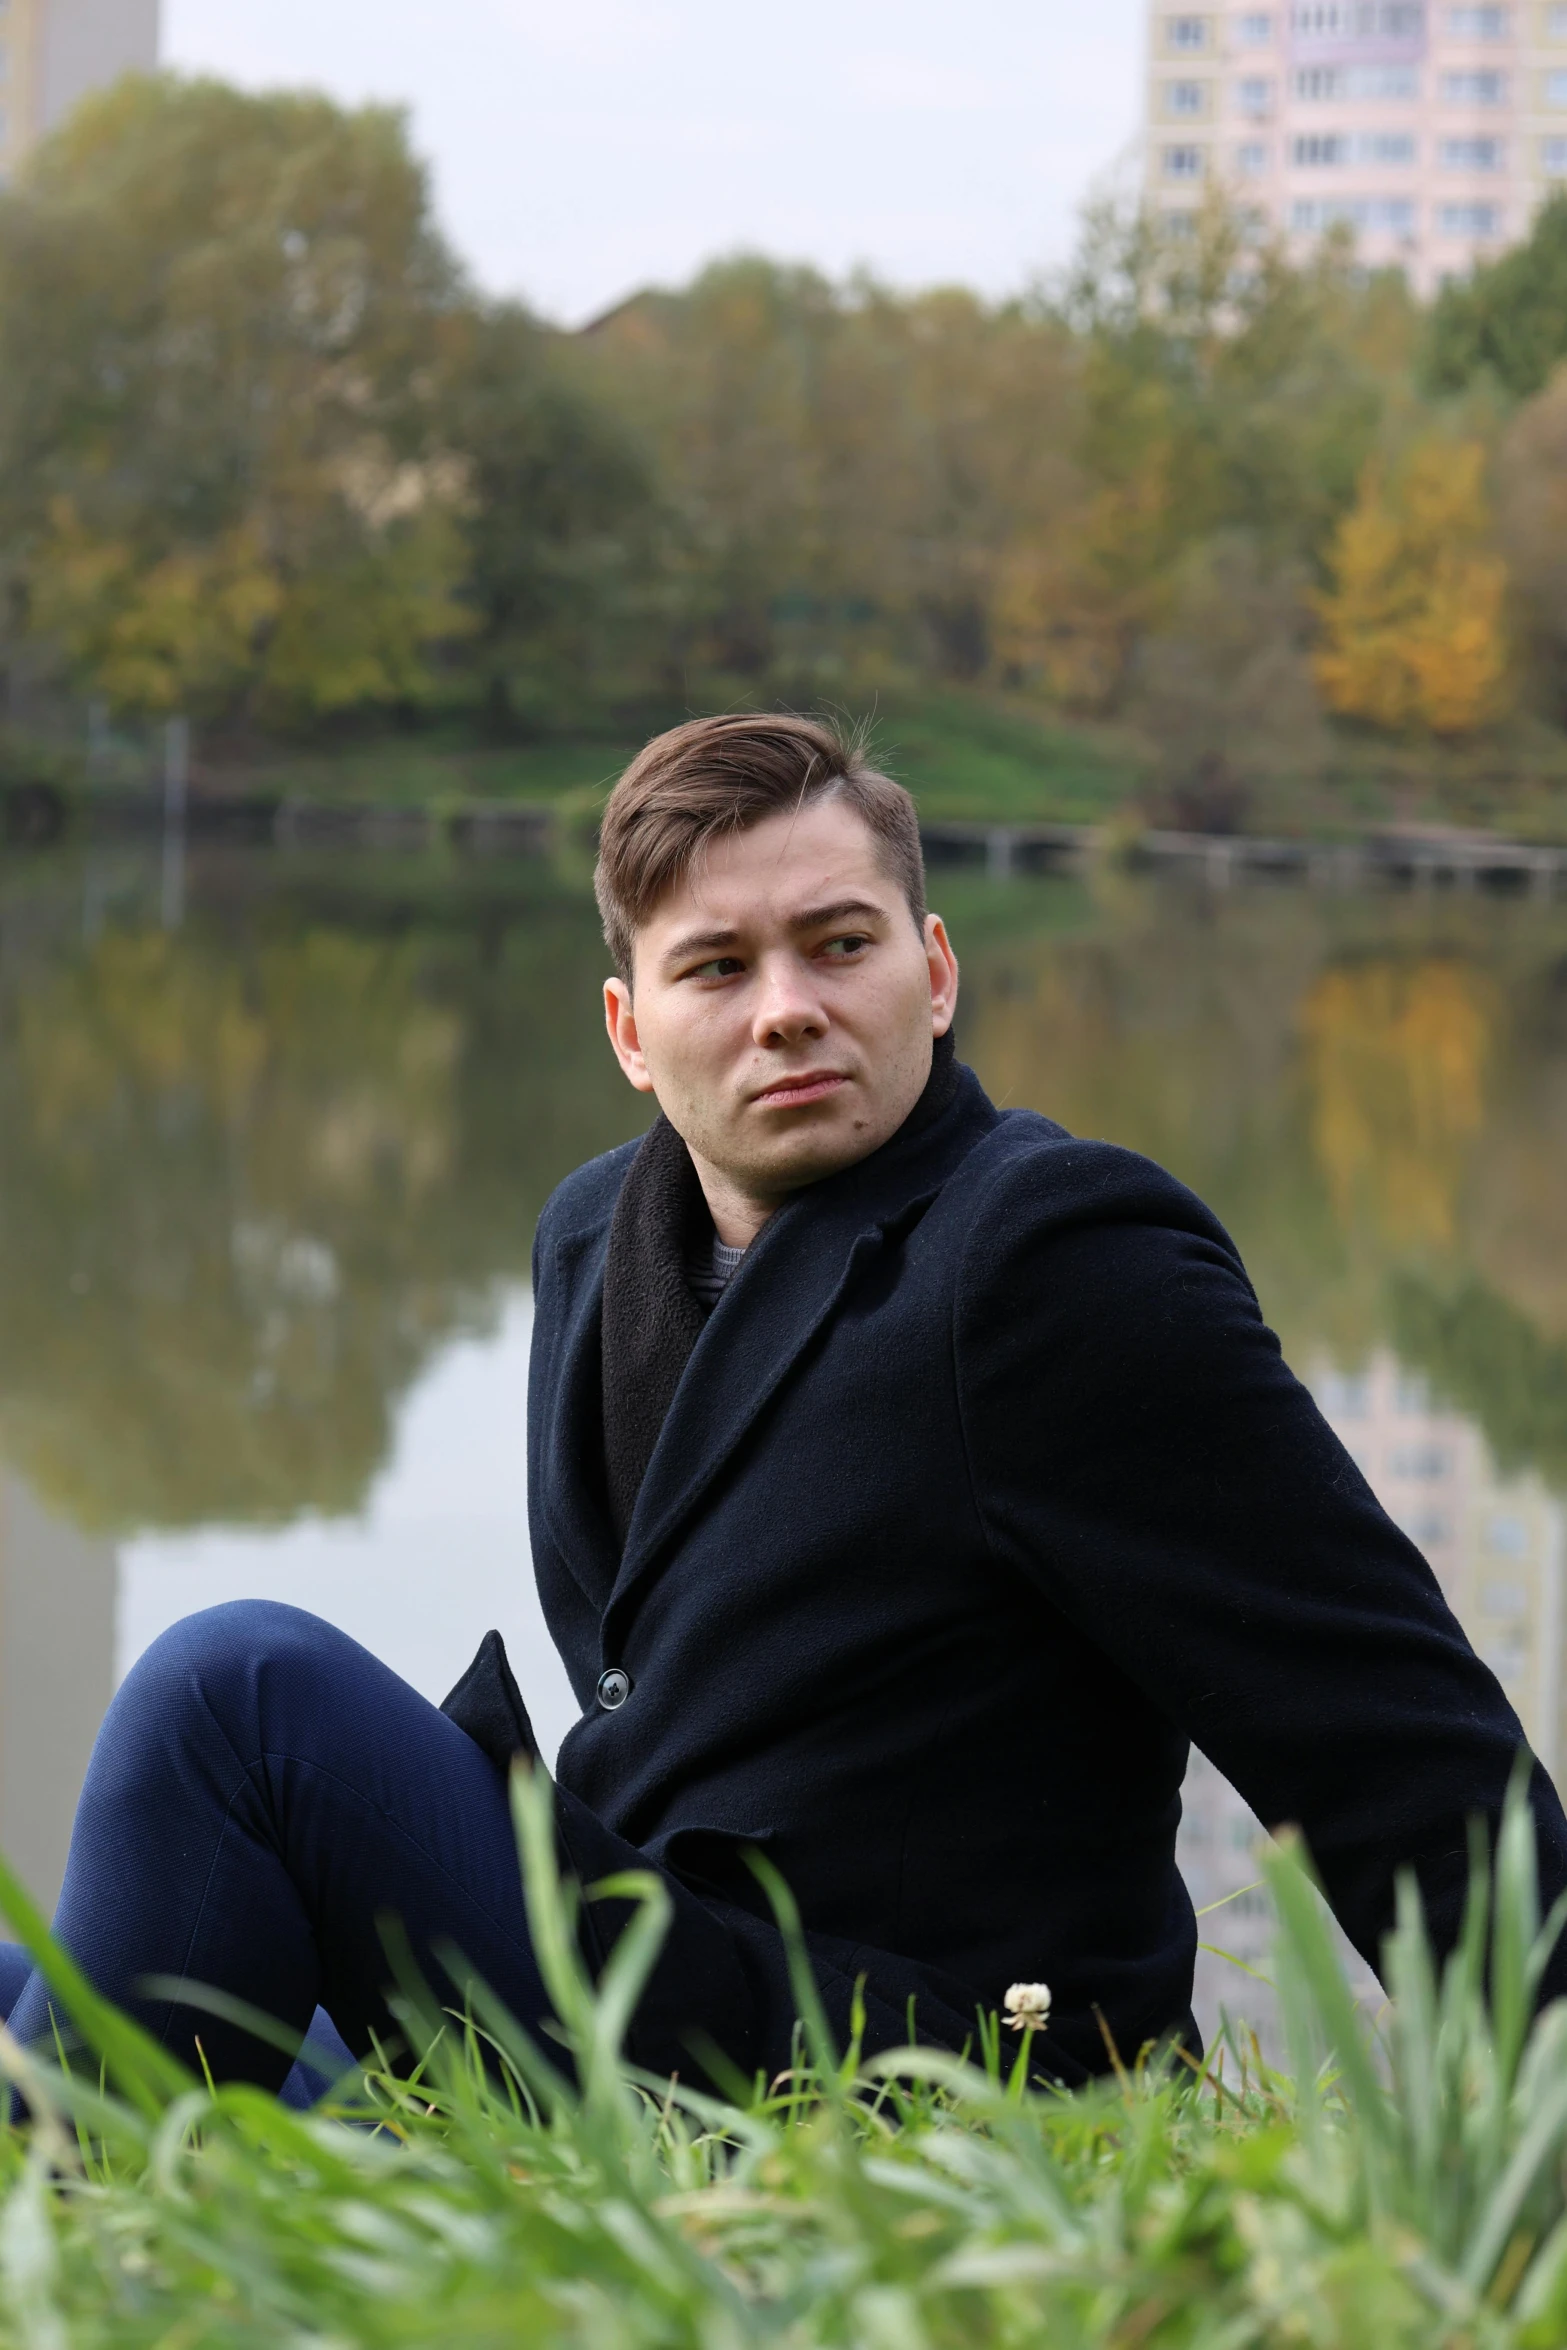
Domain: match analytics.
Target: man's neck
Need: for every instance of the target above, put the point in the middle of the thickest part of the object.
(738, 1216)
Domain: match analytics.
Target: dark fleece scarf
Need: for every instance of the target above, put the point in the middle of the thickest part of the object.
(652, 1318)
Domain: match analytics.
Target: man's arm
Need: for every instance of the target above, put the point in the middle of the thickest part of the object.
(1142, 1455)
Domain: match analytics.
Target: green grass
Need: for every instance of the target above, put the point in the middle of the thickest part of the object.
(972, 755)
(963, 755)
(966, 754)
(1404, 2191)
(415, 770)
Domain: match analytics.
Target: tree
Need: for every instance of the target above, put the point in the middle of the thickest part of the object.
(1223, 688)
(562, 529)
(1413, 632)
(845, 470)
(222, 321)
(1532, 527)
(1224, 393)
(1508, 317)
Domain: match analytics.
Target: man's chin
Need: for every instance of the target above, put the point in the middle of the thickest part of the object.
(809, 1159)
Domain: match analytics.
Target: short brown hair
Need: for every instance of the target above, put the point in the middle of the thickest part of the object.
(720, 775)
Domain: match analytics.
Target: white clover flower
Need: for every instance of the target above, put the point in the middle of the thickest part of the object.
(1028, 2006)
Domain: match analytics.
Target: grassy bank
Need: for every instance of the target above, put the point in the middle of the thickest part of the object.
(985, 757)
(1408, 2197)
(969, 755)
(962, 754)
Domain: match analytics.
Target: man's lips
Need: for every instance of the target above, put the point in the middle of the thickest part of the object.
(793, 1093)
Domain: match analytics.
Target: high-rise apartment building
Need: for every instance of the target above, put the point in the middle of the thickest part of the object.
(1432, 128)
(52, 52)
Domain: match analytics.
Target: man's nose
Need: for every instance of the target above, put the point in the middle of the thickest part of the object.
(787, 1006)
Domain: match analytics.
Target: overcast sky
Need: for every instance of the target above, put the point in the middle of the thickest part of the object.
(584, 147)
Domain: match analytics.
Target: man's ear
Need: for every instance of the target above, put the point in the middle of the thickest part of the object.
(620, 1020)
(943, 975)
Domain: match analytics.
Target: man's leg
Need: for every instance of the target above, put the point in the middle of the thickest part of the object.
(262, 1791)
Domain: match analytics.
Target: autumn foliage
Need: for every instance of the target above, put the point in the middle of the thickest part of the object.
(1413, 623)
(267, 458)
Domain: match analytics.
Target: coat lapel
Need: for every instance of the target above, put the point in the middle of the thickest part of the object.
(570, 1467)
(792, 1279)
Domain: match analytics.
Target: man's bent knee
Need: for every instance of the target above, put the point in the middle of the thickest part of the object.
(229, 1668)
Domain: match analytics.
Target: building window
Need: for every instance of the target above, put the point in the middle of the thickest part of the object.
(1186, 32)
(1335, 83)
(1507, 1659)
(1181, 224)
(1251, 161)
(1183, 163)
(1328, 150)
(1426, 1527)
(1344, 1395)
(1556, 24)
(1556, 89)
(1468, 220)
(1380, 215)
(1184, 98)
(1338, 20)
(1477, 24)
(1506, 1599)
(1553, 157)
(1254, 32)
(1474, 89)
(1418, 1460)
(1508, 1537)
(1254, 97)
(1471, 154)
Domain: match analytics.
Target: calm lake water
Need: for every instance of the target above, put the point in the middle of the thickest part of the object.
(269, 1177)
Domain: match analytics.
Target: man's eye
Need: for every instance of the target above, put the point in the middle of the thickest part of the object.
(721, 967)
(838, 950)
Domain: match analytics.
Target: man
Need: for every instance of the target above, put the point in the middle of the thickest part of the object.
(909, 1482)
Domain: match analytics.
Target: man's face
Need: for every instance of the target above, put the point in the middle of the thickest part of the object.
(784, 1003)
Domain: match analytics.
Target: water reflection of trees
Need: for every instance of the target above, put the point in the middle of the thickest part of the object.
(252, 1173)
(1373, 1092)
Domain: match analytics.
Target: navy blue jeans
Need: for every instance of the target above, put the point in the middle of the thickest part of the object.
(262, 1793)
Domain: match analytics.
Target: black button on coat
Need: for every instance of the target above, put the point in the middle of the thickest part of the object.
(984, 1490)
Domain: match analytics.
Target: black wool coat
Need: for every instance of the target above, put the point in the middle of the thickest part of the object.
(984, 1490)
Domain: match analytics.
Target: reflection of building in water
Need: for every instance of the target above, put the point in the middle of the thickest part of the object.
(57, 1591)
(1496, 1544)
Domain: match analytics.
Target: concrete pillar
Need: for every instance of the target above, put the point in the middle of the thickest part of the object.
(57, 1592)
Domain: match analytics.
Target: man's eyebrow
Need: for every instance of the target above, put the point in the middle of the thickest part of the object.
(841, 909)
(695, 942)
(713, 942)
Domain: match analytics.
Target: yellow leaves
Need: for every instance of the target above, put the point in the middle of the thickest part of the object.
(206, 626)
(359, 631)
(1048, 632)
(180, 632)
(1067, 607)
(1413, 629)
(1397, 1054)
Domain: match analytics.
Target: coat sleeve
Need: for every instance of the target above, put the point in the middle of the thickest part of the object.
(1143, 1458)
